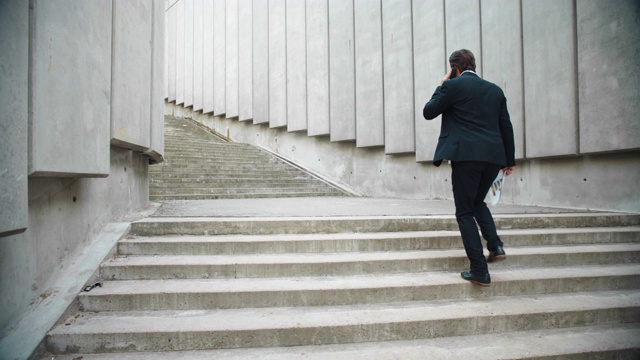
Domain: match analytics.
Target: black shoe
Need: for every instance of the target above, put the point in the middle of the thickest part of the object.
(482, 280)
(496, 254)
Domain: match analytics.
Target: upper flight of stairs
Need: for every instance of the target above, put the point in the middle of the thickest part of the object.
(199, 165)
(361, 287)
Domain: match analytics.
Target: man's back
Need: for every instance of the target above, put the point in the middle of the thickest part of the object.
(474, 120)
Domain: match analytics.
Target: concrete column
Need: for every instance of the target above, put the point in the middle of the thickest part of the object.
(207, 62)
(231, 61)
(188, 52)
(296, 66)
(502, 58)
(180, 56)
(198, 53)
(317, 22)
(368, 73)
(260, 61)
(277, 64)
(219, 57)
(245, 58)
(341, 70)
(156, 150)
(430, 64)
(550, 77)
(608, 51)
(131, 75)
(14, 118)
(70, 64)
(172, 53)
(399, 130)
(462, 20)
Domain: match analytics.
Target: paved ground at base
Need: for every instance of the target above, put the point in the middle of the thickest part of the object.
(331, 206)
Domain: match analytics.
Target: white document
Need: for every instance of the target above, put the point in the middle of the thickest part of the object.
(495, 191)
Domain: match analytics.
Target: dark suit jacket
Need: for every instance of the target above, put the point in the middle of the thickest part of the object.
(475, 122)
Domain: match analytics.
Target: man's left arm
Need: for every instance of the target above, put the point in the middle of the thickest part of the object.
(506, 131)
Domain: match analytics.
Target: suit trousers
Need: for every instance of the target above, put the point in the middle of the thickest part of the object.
(471, 180)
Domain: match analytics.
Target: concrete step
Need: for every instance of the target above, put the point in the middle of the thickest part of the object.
(360, 263)
(226, 182)
(166, 171)
(184, 190)
(362, 242)
(219, 157)
(202, 294)
(240, 196)
(229, 166)
(295, 326)
(365, 224)
(619, 341)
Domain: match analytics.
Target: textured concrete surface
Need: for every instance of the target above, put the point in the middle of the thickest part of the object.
(219, 56)
(231, 60)
(207, 53)
(462, 20)
(131, 75)
(502, 59)
(429, 65)
(296, 58)
(605, 340)
(70, 77)
(260, 66)
(331, 207)
(550, 77)
(397, 36)
(149, 331)
(608, 44)
(318, 67)
(277, 64)
(14, 118)
(245, 61)
(342, 90)
(188, 52)
(370, 116)
(32, 327)
(198, 54)
(180, 55)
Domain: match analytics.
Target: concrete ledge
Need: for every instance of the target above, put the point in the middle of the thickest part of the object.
(32, 328)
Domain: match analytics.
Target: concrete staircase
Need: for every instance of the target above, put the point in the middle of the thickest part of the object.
(200, 165)
(361, 287)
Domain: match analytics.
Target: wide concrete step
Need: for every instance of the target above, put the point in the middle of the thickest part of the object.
(323, 264)
(224, 174)
(295, 326)
(219, 152)
(615, 341)
(218, 157)
(365, 224)
(262, 166)
(232, 190)
(362, 242)
(227, 182)
(239, 196)
(198, 294)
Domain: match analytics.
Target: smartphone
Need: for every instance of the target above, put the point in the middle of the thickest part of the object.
(453, 73)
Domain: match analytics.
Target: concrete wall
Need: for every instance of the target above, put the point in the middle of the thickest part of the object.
(369, 67)
(83, 82)
(14, 27)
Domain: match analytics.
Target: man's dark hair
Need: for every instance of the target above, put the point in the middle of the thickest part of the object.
(463, 60)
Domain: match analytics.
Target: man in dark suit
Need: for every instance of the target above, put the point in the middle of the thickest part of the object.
(477, 137)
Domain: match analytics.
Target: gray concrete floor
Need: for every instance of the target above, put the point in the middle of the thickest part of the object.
(330, 206)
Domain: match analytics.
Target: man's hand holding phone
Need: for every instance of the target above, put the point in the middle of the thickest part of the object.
(450, 75)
